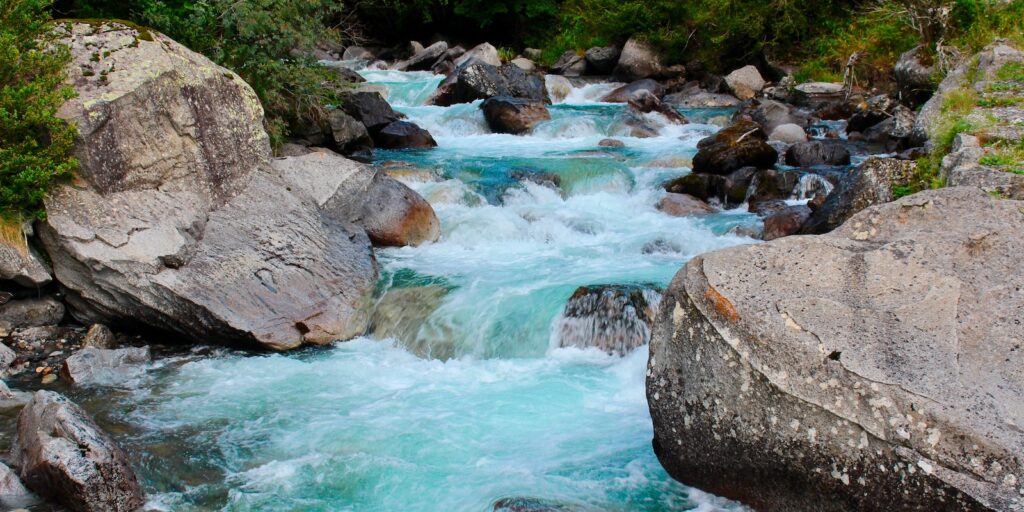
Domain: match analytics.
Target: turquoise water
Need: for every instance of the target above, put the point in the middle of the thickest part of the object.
(459, 398)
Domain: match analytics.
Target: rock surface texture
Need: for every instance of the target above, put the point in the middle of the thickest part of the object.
(177, 221)
(874, 368)
(64, 456)
(612, 318)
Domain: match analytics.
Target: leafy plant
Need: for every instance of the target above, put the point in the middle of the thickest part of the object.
(35, 145)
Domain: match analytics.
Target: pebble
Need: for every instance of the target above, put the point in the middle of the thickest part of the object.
(49, 378)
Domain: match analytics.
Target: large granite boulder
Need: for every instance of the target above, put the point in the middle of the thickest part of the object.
(873, 182)
(740, 145)
(513, 115)
(875, 368)
(176, 221)
(637, 61)
(349, 192)
(62, 455)
(745, 82)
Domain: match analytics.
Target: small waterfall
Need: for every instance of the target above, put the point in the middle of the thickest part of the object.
(810, 185)
(613, 318)
(828, 130)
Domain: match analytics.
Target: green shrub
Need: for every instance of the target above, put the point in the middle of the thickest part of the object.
(35, 145)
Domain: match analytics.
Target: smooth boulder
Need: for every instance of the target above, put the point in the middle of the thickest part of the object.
(745, 83)
(683, 205)
(513, 115)
(13, 494)
(404, 135)
(62, 455)
(570, 63)
(740, 145)
(874, 368)
(176, 221)
(633, 90)
(601, 60)
(637, 61)
(788, 133)
(346, 191)
(32, 312)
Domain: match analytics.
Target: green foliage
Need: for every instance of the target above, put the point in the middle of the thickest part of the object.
(506, 54)
(719, 33)
(35, 145)
(509, 21)
(1011, 71)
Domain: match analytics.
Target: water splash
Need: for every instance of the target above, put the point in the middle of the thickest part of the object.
(615, 319)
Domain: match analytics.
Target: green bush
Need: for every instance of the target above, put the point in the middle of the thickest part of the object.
(35, 145)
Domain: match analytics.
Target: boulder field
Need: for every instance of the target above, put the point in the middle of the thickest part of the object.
(877, 367)
(179, 221)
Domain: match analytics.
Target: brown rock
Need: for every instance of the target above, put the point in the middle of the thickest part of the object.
(682, 205)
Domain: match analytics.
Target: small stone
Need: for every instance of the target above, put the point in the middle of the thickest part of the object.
(49, 378)
(99, 336)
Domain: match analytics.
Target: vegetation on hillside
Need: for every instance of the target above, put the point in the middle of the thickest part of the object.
(35, 145)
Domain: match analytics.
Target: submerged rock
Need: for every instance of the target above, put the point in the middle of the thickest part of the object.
(816, 152)
(522, 504)
(612, 318)
(64, 456)
(91, 366)
(872, 368)
(176, 221)
(740, 145)
(401, 312)
(512, 115)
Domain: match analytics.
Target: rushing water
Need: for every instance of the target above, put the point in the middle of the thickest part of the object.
(465, 400)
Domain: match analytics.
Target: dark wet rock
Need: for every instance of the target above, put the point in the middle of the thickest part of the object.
(740, 145)
(703, 186)
(796, 374)
(524, 504)
(627, 92)
(570, 64)
(348, 135)
(612, 318)
(425, 58)
(637, 126)
(683, 205)
(512, 115)
(99, 336)
(769, 184)
(816, 152)
(914, 77)
(895, 131)
(31, 312)
(611, 143)
(601, 60)
(544, 179)
(371, 109)
(98, 366)
(345, 73)
(404, 135)
(64, 456)
(730, 190)
(785, 222)
(661, 246)
(745, 83)
(482, 81)
(767, 207)
(637, 61)
(870, 112)
(871, 183)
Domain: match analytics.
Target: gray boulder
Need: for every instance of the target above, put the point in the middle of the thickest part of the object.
(32, 312)
(874, 368)
(816, 152)
(816, 95)
(23, 266)
(601, 60)
(570, 64)
(789, 133)
(177, 222)
(357, 53)
(13, 494)
(702, 99)
(614, 318)
(632, 90)
(483, 53)
(348, 135)
(64, 456)
(513, 115)
(745, 83)
(98, 366)
(637, 61)
(914, 77)
(349, 192)
(425, 58)
(871, 183)
(483, 81)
